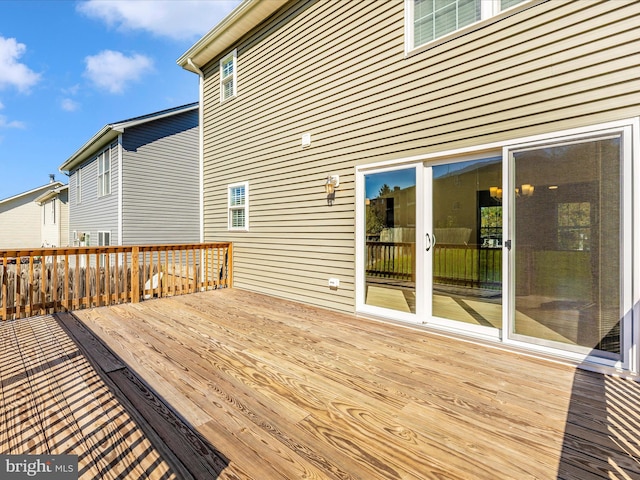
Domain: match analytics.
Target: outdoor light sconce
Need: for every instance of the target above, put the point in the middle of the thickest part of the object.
(330, 185)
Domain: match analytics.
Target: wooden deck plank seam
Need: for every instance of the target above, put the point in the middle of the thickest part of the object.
(165, 427)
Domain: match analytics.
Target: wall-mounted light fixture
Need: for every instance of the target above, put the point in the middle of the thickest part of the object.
(330, 185)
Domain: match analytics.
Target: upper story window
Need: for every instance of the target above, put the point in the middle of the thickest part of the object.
(79, 185)
(428, 20)
(228, 76)
(104, 173)
(238, 206)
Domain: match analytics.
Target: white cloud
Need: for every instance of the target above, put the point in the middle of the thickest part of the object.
(180, 20)
(4, 123)
(113, 71)
(69, 105)
(13, 73)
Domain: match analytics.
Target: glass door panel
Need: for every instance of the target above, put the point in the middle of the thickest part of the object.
(390, 240)
(465, 242)
(567, 240)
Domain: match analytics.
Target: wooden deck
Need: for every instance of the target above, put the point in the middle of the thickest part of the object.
(231, 384)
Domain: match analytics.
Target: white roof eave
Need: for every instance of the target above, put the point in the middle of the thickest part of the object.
(110, 132)
(225, 34)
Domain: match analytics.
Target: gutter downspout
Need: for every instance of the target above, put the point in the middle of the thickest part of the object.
(200, 142)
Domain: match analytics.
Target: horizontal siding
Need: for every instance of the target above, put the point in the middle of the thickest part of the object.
(63, 205)
(161, 181)
(338, 70)
(20, 223)
(93, 213)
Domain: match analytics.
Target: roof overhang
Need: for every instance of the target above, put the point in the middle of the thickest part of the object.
(110, 132)
(48, 186)
(49, 194)
(225, 34)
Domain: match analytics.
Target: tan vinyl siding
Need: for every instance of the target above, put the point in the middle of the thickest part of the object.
(20, 223)
(338, 70)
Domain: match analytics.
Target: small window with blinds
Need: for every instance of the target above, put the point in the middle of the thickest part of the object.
(428, 20)
(238, 206)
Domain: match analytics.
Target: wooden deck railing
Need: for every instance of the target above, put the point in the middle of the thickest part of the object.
(453, 264)
(49, 280)
(391, 260)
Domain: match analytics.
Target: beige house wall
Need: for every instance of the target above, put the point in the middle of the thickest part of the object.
(338, 71)
(20, 223)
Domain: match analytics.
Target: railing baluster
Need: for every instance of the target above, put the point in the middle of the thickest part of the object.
(38, 283)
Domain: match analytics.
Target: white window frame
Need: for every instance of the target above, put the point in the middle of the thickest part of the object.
(79, 186)
(234, 207)
(101, 238)
(102, 234)
(629, 362)
(230, 77)
(488, 9)
(104, 174)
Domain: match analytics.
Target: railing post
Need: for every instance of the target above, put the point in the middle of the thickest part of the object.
(5, 290)
(135, 275)
(230, 265)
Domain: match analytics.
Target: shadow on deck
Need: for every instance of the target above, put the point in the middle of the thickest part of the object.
(63, 392)
(233, 384)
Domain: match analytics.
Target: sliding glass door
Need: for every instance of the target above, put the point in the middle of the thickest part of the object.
(531, 244)
(568, 242)
(390, 240)
(463, 244)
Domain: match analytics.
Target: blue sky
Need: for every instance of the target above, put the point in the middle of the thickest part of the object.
(68, 68)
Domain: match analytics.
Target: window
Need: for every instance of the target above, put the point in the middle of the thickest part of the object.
(239, 206)
(79, 185)
(104, 239)
(228, 75)
(574, 226)
(104, 173)
(428, 20)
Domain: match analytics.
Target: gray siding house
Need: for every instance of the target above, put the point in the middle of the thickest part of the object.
(470, 169)
(22, 220)
(137, 182)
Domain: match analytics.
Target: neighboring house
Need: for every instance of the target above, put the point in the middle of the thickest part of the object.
(471, 167)
(137, 182)
(54, 217)
(21, 223)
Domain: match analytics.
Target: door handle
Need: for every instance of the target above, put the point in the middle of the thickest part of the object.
(433, 240)
(428, 239)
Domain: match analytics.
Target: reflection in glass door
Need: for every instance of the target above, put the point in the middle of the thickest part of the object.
(390, 240)
(464, 243)
(567, 243)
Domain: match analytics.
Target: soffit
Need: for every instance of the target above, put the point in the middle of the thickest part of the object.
(225, 34)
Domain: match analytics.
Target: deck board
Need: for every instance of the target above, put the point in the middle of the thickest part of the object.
(271, 389)
(286, 390)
